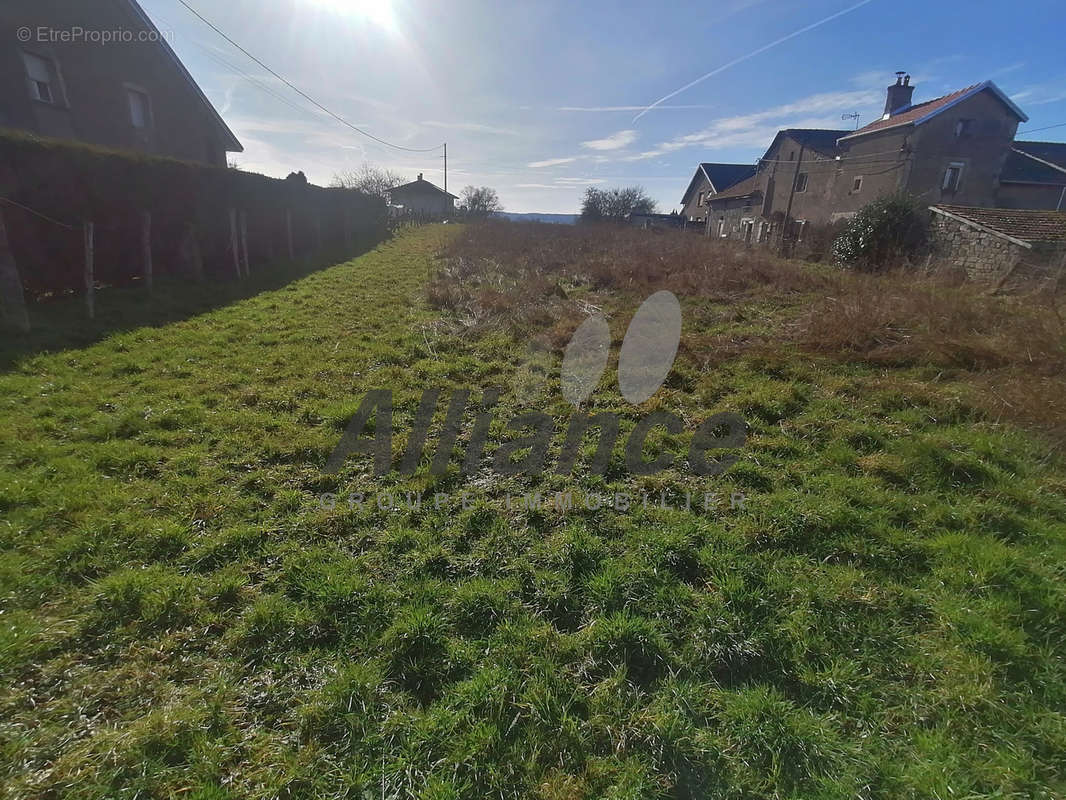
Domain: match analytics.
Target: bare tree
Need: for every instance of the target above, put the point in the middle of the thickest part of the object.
(367, 179)
(615, 204)
(480, 201)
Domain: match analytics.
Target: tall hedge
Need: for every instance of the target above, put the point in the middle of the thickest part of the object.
(72, 183)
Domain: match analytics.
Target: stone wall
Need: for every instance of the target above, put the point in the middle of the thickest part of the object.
(984, 256)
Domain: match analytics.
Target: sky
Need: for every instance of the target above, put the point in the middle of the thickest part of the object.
(540, 99)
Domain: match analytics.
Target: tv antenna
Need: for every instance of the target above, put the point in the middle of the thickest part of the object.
(852, 116)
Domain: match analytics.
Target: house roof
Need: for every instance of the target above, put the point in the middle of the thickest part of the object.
(1021, 226)
(746, 188)
(820, 140)
(923, 112)
(1036, 162)
(233, 145)
(1020, 168)
(720, 176)
(1051, 152)
(420, 186)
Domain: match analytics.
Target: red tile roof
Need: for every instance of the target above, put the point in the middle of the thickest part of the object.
(1025, 224)
(921, 112)
(914, 113)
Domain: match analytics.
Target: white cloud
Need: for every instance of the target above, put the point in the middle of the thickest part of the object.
(538, 186)
(551, 162)
(616, 141)
(758, 128)
(1040, 94)
(580, 181)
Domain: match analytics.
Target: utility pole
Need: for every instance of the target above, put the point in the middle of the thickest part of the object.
(791, 195)
(445, 166)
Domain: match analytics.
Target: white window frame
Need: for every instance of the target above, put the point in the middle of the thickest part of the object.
(747, 229)
(945, 184)
(699, 200)
(856, 184)
(806, 180)
(721, 227)
(131, 89)
(58, 96)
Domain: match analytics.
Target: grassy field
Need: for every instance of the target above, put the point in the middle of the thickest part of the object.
(883, 615)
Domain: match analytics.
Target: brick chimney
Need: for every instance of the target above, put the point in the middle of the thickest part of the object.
(899, 95)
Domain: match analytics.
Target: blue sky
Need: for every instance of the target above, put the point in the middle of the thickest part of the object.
(540, 99)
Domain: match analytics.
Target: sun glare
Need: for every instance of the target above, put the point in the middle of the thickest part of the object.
(376, 12)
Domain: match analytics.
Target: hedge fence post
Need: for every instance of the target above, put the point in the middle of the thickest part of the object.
(192, 261)
(233, 245)
(12, 299)
(288, 233)
(244, 244)
(89, 233)
(146, 249)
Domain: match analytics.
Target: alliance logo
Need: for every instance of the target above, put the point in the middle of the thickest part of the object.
(644, 363)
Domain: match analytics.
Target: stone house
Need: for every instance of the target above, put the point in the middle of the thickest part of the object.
(60, 78)
(991, 244)
(1034, 177)
(421, 198)
(949, 150)
(710, 179)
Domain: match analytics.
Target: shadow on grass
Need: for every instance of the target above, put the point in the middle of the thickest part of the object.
(62, 324)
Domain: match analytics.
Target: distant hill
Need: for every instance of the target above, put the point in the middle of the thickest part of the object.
(558, 219)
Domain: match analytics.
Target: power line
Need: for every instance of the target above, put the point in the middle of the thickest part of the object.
(1049, 127)
(302, 93)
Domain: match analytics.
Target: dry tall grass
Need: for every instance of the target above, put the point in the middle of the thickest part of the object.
(527, 278)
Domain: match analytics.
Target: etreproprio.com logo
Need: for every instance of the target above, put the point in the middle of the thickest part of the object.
(647, 355)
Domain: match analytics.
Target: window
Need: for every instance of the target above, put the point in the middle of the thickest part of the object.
(140, 108)
(42, 75)
(952, 177)
(721, 227)
(801, 182)
(856, 185)
(963, 128)
(699, 202)
(791, 155)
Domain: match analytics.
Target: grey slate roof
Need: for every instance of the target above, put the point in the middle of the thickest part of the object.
(721, 176)
(821, 140)
(420, 186)
(1025, 163)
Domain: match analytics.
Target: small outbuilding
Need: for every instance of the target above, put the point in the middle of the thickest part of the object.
(994, 243)
(421, 198)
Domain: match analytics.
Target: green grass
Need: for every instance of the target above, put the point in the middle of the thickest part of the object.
(182, 618)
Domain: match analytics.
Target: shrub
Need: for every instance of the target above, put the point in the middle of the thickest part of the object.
(890, 231)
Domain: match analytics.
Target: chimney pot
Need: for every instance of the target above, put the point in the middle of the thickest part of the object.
(420, 176)
(899, 95)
